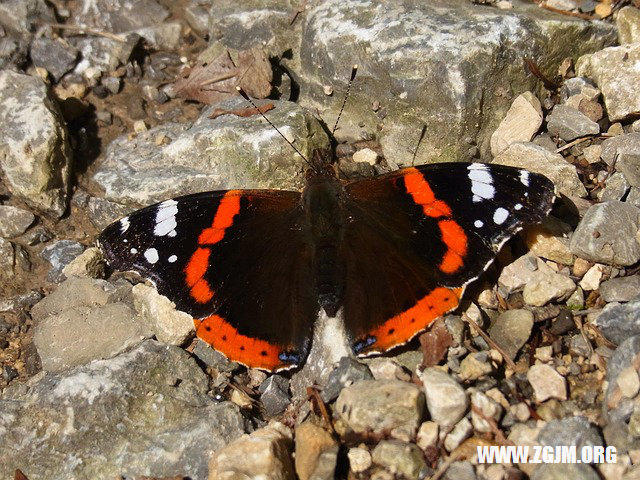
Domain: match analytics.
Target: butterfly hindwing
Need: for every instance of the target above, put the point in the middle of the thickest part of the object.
(212, 254)
(420, 235)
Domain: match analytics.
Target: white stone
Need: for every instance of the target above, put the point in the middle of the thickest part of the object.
(519, 125)
(547, 383)
(591, 279)
(366, 155)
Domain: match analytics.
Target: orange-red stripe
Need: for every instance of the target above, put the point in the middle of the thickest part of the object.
(198, 264)
(228, 208)
(422, 194)
(249, 351)
(405, 325)
(452, 234)
(456, 241)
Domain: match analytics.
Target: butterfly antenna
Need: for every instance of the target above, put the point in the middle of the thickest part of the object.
(248, 99)
(415, 152)
(354, 70)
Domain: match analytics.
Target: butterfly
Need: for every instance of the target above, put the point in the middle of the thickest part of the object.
(390, 253)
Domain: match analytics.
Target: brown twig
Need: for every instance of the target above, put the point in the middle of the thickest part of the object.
(491, 342)
(493, 425)
(81, 29)
(316, 400)
(583, 16)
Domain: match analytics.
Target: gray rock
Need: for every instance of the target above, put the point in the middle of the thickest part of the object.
(616, 434)
(489, 409)
(159, 313)
(410, 82)
(164, 36)
(628, 23)
(511, 330)
(557, 471)
(462, 430)
(55, 56)
(89, 263)
(14, 259)
(619, 322)
(574, 86)
(101, 55)
(120, 16)
(104, 212)
(547, 287)
(266, 453)
(568, 123)
(620, 289)
(378, 406)
(59, 254)
(539, 160)
(34, 144)
(112, 84)
(607, 234)
(474, 366)
(13, 53)
(80, 292)
(226, 152)
(616, 187)
(622, 358)
(520, 124)
(447, 401)
(14, 221)
(77, 336)
(197, 17)
(615, 148)
(213, 358)
(400, 458)
(461, 471)
(104, 406)
(347, 372)
(617, 74)
(274, 394)
(20, 302)
(576, 431)
(629, 165)
(20, 16)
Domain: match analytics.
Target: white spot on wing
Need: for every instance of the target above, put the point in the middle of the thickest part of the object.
(151, 255)
(166, 218)
(124, 224)
(524, 177)
(172, 258)
(518, 206)
(500, 215)
(481, 182)
(134, 250)
(478, 224)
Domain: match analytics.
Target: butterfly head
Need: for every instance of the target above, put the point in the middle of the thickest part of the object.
(321, 164)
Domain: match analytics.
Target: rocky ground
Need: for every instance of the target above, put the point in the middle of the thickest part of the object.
(106, 106)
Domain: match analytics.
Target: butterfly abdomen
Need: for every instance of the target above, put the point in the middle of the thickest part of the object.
(324, 209)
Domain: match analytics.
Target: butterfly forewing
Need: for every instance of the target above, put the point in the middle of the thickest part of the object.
(223, 257)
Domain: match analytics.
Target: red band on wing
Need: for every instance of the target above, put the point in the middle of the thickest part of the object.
(422, 194)
(406, 325)
(451, 232)
(252, 352)
(229, 207)
(198, 264)
(456, 241)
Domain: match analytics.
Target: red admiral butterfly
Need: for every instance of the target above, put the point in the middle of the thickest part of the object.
(254, 267)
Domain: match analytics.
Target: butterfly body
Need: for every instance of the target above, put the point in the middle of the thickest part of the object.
(391, 253)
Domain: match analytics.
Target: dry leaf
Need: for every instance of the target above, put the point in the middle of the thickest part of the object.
(215, 81)
(435, 343)
(18, 475)
(243, 112)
